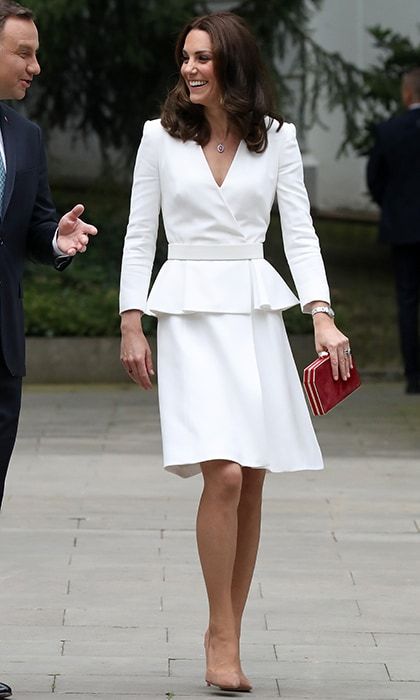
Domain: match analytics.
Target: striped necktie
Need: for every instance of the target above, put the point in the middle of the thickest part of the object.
(2, 181)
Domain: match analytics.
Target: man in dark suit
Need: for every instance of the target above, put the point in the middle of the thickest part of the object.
(393, 176)
(29, 225)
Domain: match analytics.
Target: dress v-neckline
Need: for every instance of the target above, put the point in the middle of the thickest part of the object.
(210, 171)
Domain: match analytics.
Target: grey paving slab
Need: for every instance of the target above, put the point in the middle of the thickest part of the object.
(134, 636)
(319, 670)
(30, 683)
(354, 690)
(90, 665)
(31, 616)
(398, 641)
(293, 638)
(406, 669)
(355, 654)
(25, 648)
(150, 687)
(100, 590)
(363, 623)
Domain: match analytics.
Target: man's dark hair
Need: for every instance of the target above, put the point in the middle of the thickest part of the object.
(8, 8)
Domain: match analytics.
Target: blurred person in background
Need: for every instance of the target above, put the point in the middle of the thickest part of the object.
(393, 176)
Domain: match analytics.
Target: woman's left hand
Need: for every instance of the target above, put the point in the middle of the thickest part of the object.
(329, 339)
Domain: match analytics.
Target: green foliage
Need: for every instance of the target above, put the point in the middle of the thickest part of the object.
(283, 31)
(364, 97)
(380, 91)
(105, 65)
(278, 25)
(59, 305)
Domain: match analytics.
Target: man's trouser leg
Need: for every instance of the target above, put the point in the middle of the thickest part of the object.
(10, 398)
(407, 277)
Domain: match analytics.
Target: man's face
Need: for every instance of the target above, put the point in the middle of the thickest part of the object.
(18, 62)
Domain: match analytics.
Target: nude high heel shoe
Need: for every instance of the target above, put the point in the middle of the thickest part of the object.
(226, 681)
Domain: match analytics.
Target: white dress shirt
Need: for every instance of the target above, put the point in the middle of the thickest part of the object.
(2, 153)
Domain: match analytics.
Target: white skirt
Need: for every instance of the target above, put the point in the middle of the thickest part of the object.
(229, 389)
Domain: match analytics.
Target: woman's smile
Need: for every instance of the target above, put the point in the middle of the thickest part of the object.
(198, 71)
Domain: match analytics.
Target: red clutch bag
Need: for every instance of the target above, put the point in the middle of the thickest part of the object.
(322, 390)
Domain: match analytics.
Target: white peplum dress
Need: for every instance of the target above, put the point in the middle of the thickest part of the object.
(227, 382)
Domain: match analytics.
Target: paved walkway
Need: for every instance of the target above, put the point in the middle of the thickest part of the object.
(100, 590)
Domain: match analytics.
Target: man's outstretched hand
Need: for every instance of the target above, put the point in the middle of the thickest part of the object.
(73, 233)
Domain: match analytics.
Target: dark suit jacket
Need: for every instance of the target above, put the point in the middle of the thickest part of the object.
(393, 176)
(28, 221)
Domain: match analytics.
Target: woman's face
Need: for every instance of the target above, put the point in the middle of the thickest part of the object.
(198, 69)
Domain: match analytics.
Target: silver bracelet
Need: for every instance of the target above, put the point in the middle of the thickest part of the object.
(323, 310)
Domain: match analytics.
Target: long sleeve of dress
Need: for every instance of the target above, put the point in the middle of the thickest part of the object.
(301, 243)
(140, 240)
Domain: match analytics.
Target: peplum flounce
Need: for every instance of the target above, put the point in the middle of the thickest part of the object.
(218, 286)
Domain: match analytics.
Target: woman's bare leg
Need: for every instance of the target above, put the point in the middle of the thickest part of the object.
(228, 530)
(217, 534)
(249, 527)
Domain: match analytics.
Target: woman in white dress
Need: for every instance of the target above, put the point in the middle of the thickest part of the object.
(230, 398)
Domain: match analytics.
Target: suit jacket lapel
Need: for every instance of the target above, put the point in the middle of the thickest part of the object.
(10, 151)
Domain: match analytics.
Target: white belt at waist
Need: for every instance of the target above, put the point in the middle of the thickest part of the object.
(242, 251)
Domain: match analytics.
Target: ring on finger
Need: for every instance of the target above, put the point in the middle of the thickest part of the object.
(347, 351)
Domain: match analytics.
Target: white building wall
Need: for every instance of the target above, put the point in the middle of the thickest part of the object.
(341, 25)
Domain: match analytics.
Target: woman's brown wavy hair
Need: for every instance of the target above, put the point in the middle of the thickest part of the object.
(248, 97)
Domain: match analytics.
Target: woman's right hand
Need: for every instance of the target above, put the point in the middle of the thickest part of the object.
(135, 355)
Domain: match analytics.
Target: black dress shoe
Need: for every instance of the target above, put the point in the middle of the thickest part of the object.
(5, 691)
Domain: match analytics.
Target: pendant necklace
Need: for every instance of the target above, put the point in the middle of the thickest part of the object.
(221, 146)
